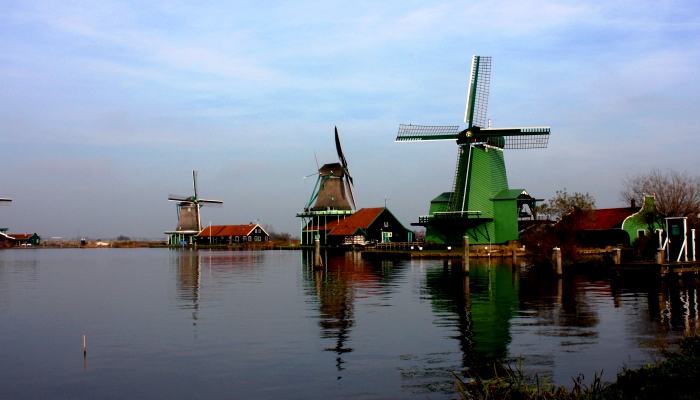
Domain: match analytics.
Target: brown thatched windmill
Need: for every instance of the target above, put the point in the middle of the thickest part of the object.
(331, 197)
(188, 219)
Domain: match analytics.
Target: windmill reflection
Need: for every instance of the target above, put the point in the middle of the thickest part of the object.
(189, 268)
(335, 287)
(479, 306)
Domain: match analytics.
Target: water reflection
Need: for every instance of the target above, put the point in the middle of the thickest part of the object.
(189, 271)
(679, 311)
(335, 286)
(672, 305)
(219, 266)
(479, 306)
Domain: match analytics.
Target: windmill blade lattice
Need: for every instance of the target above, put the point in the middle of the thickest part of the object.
(478, 94)
(411, 133)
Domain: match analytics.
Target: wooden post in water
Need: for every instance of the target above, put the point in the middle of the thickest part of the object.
(84, 347)
(318, 261)
(556, 260)
(514, 256)
(617, 258)
(465, 255)
(659, 256)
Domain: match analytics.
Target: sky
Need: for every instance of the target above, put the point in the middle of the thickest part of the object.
(106, 107)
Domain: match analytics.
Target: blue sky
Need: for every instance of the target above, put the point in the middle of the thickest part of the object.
(107, 106)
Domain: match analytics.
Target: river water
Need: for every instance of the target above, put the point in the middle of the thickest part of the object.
(183, 324)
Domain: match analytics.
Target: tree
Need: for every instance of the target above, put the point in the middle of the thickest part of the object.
(677, 194)
(571, 213)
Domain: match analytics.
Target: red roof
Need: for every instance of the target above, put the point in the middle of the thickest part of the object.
(609, 218)
(229, 230)
(362, 219)
(21, 236)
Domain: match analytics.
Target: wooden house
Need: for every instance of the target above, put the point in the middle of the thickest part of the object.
(24, 239)
(367, 225)
(232, 234)
(618, 226)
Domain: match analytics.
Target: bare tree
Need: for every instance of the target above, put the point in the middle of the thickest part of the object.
(677, 194)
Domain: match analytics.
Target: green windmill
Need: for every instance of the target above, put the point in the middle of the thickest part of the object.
(480, 204)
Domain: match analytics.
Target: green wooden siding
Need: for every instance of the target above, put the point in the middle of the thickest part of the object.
(487, 193)
(506, 221)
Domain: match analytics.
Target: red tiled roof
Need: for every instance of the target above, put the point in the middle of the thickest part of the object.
(362, 219)
(20, 236)
(609, 218)
(228, 230)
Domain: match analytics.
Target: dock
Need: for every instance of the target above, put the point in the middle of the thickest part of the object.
(679, 269)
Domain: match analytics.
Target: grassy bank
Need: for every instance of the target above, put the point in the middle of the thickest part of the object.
(673, 377)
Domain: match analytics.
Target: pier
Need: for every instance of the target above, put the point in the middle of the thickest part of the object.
(679, 269)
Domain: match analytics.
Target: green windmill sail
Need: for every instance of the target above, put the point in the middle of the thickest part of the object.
(480, 204)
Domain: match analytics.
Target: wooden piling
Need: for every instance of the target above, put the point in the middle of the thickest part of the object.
(318, 261)
(617, 259)
(556, 261)
(660, 257)
(84, 346)
(465, 255)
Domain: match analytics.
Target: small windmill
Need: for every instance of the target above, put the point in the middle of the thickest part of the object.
(480, 179)
(188, 210)
(331, 198)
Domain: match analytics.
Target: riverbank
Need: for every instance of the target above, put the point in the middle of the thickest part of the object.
(673, 377)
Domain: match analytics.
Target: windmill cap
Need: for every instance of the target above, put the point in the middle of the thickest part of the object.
(335, 168)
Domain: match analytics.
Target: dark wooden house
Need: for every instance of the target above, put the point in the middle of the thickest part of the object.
(24, 239)
(368, 225)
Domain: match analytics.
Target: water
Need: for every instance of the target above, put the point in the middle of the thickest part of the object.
(184, 324)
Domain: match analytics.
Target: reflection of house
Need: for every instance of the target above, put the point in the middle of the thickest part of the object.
(615, 226)
(23, 239)
(231, 234)
(367, 225)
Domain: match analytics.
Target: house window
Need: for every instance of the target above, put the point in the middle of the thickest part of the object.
(250, 238)
(237, 238)
(640, 233)
(244, 238)
(257, 238)
(386, 224)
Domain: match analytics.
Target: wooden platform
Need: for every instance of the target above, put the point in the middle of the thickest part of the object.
(677, 269)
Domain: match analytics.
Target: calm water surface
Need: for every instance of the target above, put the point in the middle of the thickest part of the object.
(184, 324)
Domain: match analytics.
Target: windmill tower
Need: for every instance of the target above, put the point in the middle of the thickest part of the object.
(189, 223)
(331, 197)
(480, 204)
